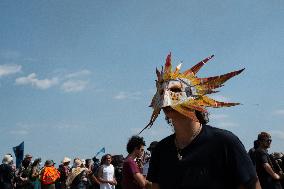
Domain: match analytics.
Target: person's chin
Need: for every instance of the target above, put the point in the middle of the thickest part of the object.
(169, 111)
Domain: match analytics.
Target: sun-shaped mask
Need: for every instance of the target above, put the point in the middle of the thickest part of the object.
(185, 92)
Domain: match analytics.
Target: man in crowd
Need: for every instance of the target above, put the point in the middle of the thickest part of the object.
(267, 175)
(132, 177)
(148, 156)
(6, 172)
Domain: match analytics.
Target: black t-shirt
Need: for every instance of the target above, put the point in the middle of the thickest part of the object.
(215, 159)
(266, 180)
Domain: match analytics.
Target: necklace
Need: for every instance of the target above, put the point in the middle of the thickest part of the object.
(178, 148)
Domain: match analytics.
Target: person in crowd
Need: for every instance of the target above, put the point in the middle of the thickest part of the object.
(78, 177)
(251, 152)
(147, 157)
(83, 163)
(132, 177)
(64, 170)
(106, 173)
(89, 164)
(197, 155)
(94, 176)
(23, 173)
(49, 175)
(117, 162)
(267, 175)
(277, 165)
(35, 173)
(6, 173)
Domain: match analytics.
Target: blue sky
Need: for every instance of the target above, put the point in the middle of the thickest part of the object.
(79, 75)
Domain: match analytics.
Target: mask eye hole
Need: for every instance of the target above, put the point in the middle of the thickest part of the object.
(175, 89)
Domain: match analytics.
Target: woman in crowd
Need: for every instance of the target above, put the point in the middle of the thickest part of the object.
(35, 173)
(106, 173)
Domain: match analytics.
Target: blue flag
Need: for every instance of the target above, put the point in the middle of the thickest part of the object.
(19, 153)
(103, 150)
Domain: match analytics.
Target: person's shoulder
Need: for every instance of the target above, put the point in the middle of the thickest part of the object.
(221, 135)
(165, 140)
(128, 161)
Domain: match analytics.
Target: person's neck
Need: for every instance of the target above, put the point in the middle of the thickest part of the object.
(185, 131)
(132, 155)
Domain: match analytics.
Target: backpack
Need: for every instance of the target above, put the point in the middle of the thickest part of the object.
(81, 181)
(50, 175)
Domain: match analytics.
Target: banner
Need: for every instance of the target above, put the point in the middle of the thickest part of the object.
(19, 153)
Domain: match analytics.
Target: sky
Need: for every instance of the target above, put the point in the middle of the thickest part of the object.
(76, 76)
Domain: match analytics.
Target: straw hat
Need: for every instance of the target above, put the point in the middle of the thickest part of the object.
(66, 159)
(77, 163)
(7, 159)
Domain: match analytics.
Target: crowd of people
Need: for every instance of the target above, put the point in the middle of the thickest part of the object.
(82, 174)
(108, 173)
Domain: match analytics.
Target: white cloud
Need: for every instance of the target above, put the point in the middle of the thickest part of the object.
(74, 85)
(8, 69)
(78, 74)
(127, 95)
(278, 112)
(19, 132)
(35, 82)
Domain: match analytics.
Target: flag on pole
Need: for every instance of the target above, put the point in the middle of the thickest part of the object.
(19, 153)
(103, 150)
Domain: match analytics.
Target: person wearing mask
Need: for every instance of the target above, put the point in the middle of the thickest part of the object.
(197, 155)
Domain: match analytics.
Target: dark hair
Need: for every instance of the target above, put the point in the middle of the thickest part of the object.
(36, 162)
(95, 159)
(263, 136)
(103, 160)
(202, 117)
(255, 144)
(134, 142)
(88, 161)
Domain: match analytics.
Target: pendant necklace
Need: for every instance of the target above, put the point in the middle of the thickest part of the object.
(179, 156)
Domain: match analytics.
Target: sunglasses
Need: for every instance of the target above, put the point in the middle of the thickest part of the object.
(268, 140)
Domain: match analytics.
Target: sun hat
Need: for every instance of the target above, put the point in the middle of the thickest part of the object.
(49, 163)
(28, 156)
(77, 163)
(7, 159)
(66, 159)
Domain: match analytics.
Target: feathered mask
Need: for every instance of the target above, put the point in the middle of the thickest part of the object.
(185, 92)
